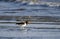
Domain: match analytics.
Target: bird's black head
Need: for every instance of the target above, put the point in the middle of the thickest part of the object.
(27, 22)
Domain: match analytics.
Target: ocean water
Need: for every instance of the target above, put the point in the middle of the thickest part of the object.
(48, 27)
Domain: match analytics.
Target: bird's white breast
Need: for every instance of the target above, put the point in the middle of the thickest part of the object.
(24, 25)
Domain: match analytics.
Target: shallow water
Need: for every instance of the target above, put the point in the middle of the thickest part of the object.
(45, 30)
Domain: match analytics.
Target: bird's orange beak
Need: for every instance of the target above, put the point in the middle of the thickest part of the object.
(29, 22)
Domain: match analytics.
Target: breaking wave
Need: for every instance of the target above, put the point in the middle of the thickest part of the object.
(40, 3)
(46, 4)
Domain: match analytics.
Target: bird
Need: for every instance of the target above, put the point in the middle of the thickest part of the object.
(23, 23)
